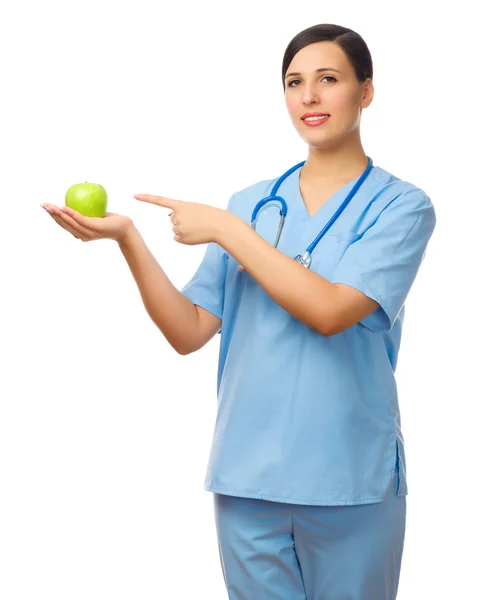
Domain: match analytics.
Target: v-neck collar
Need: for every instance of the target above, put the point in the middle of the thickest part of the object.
(328, 208)
(308, 227)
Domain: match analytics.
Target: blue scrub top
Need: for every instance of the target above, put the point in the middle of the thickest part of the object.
(303, 418)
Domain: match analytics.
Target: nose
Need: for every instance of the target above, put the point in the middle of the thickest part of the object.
(310, 95)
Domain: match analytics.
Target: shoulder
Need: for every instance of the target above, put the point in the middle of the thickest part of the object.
(391, 189)
(400, 202)
(243, 201)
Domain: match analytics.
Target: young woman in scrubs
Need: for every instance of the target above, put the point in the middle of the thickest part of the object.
(307, 465)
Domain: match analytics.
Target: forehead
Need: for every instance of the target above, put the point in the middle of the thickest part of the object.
(318, 55)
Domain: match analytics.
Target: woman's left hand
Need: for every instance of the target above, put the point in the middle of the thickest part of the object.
(193, 223)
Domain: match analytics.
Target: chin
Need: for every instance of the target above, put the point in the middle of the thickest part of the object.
(320, 142)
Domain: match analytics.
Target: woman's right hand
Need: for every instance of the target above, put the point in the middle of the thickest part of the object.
(112, 226)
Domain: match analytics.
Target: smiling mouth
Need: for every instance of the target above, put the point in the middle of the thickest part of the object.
(315, 121)
(315, 117)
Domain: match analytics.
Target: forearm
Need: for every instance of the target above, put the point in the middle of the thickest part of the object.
(171, 311)
(304, 294)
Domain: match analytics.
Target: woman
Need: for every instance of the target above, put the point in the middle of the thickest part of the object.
(307, 465)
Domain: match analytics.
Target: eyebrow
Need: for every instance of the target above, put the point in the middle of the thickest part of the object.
(317, 71)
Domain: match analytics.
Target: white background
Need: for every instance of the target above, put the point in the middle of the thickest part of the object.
(104, 429)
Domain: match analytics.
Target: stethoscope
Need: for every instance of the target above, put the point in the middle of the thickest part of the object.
(306, 258)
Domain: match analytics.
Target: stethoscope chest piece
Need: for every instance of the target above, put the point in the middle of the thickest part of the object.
(304, 260)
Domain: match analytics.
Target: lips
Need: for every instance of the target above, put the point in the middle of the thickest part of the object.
(316, 114)
(315, 120)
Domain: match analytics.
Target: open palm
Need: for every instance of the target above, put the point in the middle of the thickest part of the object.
(112, 226)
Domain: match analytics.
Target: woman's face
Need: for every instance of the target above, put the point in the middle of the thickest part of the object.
(335, 91)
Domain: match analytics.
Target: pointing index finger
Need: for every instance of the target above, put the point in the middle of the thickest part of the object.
(159, 200)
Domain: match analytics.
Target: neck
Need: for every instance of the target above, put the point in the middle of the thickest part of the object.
(336, 164)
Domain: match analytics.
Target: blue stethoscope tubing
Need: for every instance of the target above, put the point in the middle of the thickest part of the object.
(306, 258)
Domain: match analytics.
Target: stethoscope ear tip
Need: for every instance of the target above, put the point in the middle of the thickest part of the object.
(240, 269)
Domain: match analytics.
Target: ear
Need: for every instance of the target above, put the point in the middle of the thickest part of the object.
(367, 93)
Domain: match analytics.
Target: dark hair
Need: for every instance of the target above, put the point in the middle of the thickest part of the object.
(351, 42)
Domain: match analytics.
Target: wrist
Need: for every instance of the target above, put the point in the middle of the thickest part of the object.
(127, 233)
(226, 226)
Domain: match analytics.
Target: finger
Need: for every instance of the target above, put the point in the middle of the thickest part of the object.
(158, 200)
(64, 220)
(58, 221)
(88, 223)
(73, 223)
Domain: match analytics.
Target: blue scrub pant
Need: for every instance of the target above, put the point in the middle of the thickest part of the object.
(277, 551)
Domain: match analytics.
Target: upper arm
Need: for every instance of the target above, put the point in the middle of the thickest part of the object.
(208, 326)
(206, 289)
(382, 264)
(352, 306)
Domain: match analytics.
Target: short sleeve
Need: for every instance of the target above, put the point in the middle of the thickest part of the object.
(207, 286)
(384, 261)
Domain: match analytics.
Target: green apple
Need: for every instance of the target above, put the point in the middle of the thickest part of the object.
(90, 199)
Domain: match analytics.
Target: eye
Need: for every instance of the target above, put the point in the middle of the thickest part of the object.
(333, 79)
